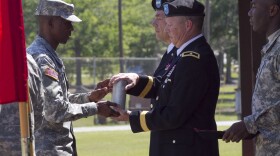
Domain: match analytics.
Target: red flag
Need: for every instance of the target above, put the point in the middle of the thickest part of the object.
(13, 64)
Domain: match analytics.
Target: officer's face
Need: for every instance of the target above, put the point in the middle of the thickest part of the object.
(159, 25)
(62, 29)
(176, 29)
(260, 14)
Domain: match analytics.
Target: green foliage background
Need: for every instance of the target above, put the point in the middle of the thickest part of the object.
(97, 34)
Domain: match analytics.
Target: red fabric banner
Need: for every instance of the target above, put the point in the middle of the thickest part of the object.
(13, 63)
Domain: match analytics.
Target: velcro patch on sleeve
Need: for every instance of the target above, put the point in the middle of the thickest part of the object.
(50, 72)
(191, 54)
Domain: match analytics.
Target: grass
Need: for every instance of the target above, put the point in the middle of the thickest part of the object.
(224, 110)
(228, 88)
(125, 143)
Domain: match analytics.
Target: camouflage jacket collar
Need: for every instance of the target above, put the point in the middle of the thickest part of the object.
(271, 41)
(50, 51)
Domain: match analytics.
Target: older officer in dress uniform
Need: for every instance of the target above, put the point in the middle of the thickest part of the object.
(264, 122)
(186, 94)
(159, 24)
(10, 143)
(55, 135)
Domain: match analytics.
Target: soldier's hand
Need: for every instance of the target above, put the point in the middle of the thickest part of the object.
(101, 90)
(236, 132)
(124, 114)
(105, 109)
(130, 78)
(103, 84)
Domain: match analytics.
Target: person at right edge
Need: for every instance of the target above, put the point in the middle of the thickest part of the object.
(264, 122)
(186, 95)
(159, 24)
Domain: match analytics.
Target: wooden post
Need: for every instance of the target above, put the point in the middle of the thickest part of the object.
(250, 46)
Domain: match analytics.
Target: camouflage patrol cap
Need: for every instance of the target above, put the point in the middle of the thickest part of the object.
(57, 8)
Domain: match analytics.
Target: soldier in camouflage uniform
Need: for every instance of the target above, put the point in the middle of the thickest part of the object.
(10, 143)
(264, 121)
(55, 135)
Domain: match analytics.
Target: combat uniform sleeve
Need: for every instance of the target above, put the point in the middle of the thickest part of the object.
(79, 98)
(178, 103)
(58, 108)
(268, 97)
(36, 93)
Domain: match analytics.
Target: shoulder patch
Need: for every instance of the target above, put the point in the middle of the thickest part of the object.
(50, 72)
(191, 54)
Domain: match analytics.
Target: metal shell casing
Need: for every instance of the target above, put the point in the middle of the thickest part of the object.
(119, 93)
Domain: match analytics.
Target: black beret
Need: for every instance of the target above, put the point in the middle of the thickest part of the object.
(157, 4)
(196, 10)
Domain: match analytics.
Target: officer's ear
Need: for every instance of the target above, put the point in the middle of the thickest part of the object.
(188, 24)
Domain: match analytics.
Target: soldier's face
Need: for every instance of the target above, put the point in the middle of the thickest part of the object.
(260, 15)
(176, 29)
(62, 29)
(159, 25)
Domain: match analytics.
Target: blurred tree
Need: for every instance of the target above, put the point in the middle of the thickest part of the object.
(224, 32)
(97, 34)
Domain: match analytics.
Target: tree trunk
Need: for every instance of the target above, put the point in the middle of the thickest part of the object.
(120, 35)
(78, 66)
(228, 71)
(207, 20)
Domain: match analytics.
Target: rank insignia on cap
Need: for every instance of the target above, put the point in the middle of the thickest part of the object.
(191, 54)
(51, 73)
(158, 3)
(166, 9)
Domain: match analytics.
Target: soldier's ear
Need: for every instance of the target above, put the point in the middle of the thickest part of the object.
(273, 10)
(51, 21)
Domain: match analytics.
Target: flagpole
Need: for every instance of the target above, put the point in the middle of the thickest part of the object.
(26, 144)
(27, 140)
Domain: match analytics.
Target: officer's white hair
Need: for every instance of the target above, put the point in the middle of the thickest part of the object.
(186, 3)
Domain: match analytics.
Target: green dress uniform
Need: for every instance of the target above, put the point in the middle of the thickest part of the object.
(186, 98)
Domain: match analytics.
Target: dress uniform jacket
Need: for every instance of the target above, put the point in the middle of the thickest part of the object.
(265, 117)
(186, 98)
(55, 135)
(165, 60)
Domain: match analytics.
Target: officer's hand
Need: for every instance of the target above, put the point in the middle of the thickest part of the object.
(104, 109)
(236, 132)
(100, 91)
(124, 114)
(130, 78)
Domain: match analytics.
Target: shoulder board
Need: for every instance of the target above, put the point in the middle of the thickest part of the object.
(50, 72)
(191, 54)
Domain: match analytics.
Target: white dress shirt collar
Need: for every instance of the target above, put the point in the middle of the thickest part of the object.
(170, 47)
(187, 43)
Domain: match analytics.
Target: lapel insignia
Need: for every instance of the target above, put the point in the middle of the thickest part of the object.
(191, 54)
